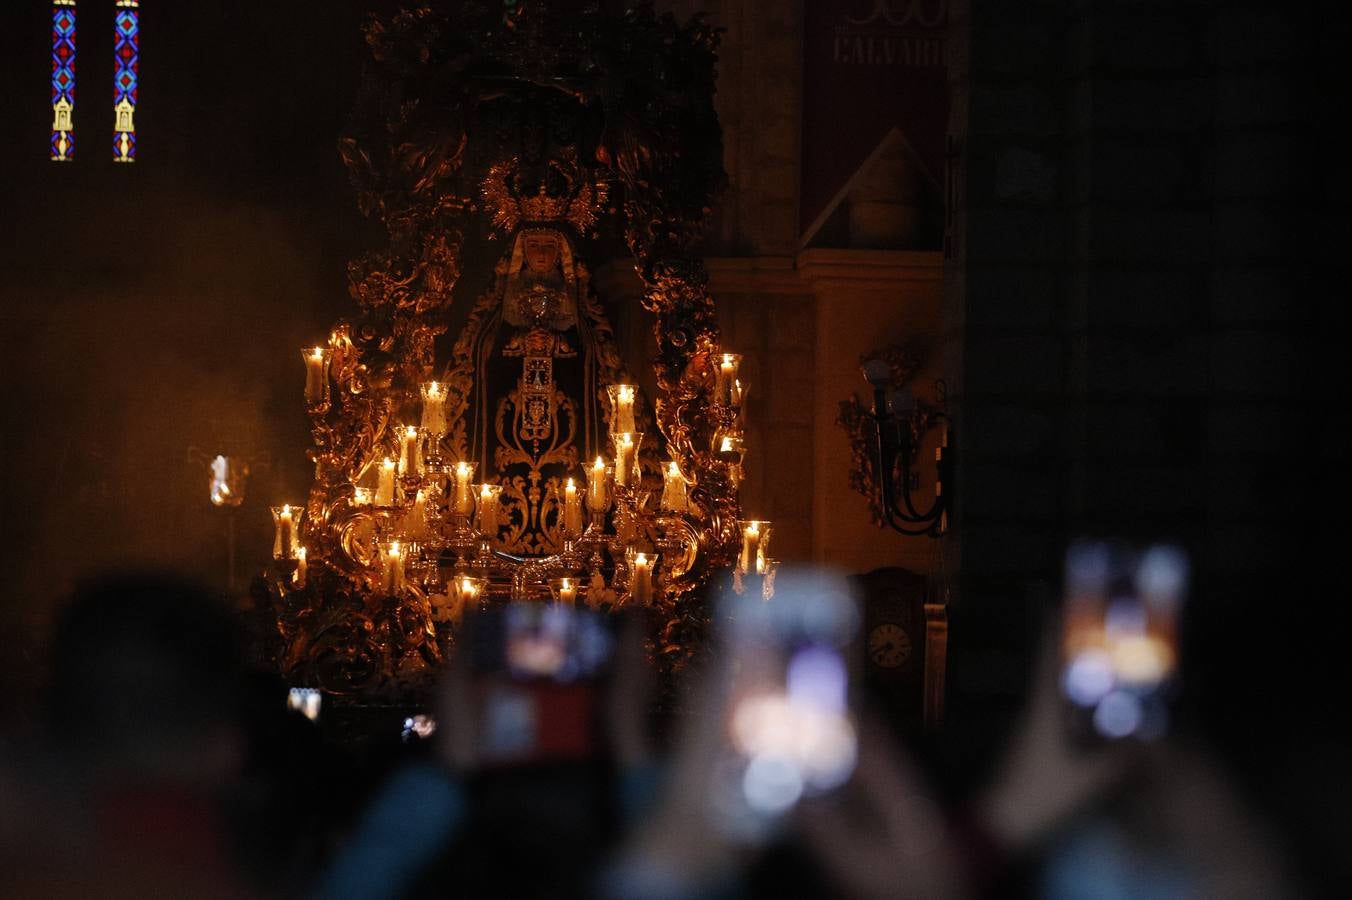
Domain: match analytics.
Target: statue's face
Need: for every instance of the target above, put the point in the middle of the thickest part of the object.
(542, 253)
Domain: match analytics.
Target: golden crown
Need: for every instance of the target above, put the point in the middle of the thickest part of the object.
(509, 209)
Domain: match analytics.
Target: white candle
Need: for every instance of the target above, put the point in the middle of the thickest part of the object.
(410, 459)
(385, 483)
(464, 491)
(416, 524)
(316, 374)
(302, 570)
(625, 450)
(465, 592)
(361, 496)
(572, 510)
(568, 592)
(392, 568)
(597, 501)
(622, 408)
(751, 547)
(488, 510)
(286, 519)
(725, 377)
(641, 580)
(434, 409)
(674, 498)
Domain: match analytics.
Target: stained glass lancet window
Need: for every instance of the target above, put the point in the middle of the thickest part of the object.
(126, 73)
(63, 80)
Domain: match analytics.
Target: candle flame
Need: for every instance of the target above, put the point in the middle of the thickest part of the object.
(394, 548)
(572, 486)
(420, 498)
(729, 360)
(317, 354)
(628, 438)
(599, 464)
(626, 392)
(300, 553)
(286, 510)
(727, 444)
(753, 527)
(388, 463)
(567, 583)
(462, 469)
(673, 470)
(411, 431)
(486, 491)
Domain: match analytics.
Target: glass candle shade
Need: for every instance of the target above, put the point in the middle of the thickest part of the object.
(434, 409)
(622, 398)
(727, 392)
(462, 493)
(486, 516)
(626, 457)
(467, 592)
(316, 374)
(729, 445)
(770, 567)
(415, 522)
(572, 510)
(385, 483)
(755, 545)
(598, 486)
(674, 495)
(641, 578)
(286, 530)
(410, 452)
(392, 556)
(564, 590)
(228, 474)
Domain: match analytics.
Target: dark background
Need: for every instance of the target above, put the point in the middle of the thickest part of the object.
(155, 309)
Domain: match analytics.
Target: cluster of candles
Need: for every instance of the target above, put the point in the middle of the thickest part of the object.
(411, 483)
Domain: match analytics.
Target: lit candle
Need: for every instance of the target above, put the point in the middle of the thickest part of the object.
(464, 490)
(572, 510)
(626, 456)
(392, 568)
(434, 409)
(674, 497)
(286, 521)
(316, 374)
(361, 496)
(751, 547)
(622, 408)
(415, 526)
(567, 592)
(465, 592)
(385, 483)
(302, 569)
(487, 523)
(410, 459)
(641, 579)
(725, 378)
(597, 501)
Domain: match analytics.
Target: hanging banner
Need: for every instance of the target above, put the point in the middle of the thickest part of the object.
(870, 66)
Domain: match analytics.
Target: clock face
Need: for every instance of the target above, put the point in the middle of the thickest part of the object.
(889, 646)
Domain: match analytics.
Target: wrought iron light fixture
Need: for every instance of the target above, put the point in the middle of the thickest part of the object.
(900, 426)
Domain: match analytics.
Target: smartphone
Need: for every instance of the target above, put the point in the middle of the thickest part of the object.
(305, 701)
(1119, 641)
(790, 728)
(537, 677)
